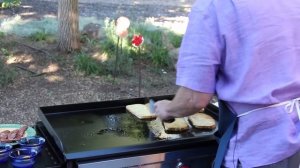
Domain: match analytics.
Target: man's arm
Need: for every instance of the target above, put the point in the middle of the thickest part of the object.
(186, 102)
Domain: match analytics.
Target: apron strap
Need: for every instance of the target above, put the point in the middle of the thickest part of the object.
(227, 122)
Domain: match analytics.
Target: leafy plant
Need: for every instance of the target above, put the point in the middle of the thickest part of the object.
(110, 43)
(7, 75)
(91, 66)
(125, 52)
(160, 57)
(2, 34)
(155, 48)
(86, 64)
(40, 36)
(10, 3)
(5, 52)
(159, 52)
(175, 39)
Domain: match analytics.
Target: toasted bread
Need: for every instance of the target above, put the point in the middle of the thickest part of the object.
(157, 128)
(202, 121)
(179, 125)
(141, 111)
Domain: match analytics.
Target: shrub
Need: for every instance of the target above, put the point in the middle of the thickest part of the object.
(86, 64)
(10, 3)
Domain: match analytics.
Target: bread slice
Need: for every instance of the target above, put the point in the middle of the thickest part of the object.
(141, 111)
(179, 125)
(202, 121)
(157, 128)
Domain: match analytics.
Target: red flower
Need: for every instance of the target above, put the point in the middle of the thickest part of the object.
(137, 40)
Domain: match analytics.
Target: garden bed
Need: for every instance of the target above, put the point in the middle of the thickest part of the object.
(46, 77)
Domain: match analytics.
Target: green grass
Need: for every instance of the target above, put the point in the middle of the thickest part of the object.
(5, 52)
(40, 36)
(155, 45)
(175, 39)
(2, 34)
(156, 48)
(7, 75)
(88, 65)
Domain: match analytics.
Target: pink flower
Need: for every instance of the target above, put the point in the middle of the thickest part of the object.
(122, 33)
(137, 40)
(122, 24)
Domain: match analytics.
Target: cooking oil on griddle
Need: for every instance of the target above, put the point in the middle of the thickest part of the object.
(94, 130)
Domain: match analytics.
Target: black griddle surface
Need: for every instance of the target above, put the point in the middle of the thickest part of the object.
(95, 130)
(105, 128)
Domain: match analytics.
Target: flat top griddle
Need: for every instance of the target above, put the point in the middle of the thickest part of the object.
(97, 130)
(101, 129)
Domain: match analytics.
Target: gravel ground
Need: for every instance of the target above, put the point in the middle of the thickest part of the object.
(137, 10)
(20, 101)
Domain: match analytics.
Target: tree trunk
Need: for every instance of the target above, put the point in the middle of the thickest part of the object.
(68, 26)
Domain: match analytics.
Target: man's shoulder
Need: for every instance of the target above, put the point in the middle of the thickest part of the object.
(202, 5)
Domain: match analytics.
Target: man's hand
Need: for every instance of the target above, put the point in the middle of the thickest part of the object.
(161, 109)
(186, 102)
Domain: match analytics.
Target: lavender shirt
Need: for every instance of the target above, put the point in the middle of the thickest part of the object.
(248, 53)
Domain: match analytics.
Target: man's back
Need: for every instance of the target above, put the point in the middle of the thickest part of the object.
(247, 51)
(262, 53)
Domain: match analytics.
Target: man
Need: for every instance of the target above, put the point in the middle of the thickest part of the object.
(247, 52)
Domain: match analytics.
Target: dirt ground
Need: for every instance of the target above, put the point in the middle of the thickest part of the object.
(53, 80)
(135, 9)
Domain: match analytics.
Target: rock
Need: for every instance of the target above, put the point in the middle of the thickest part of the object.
(91, 30)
